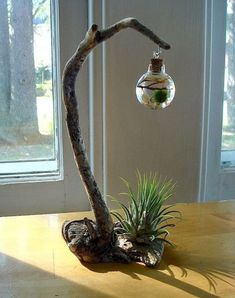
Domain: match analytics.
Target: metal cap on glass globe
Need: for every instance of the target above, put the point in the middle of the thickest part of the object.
(155, 89)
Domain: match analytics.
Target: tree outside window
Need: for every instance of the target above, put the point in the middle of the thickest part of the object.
(228, 137)
(26, 97)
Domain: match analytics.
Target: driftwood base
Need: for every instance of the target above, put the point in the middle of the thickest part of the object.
(149, 254)
(83, 240)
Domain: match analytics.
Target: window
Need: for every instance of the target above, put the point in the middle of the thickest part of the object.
(217, 164)
(29, 97)
(68, 24)
(228, 134)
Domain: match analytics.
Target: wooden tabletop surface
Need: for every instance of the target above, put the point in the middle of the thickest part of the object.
(35, 262)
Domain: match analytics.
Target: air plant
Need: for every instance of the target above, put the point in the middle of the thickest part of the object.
(145, 218)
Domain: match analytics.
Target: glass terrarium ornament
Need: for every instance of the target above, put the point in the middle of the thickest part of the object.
(155, 89)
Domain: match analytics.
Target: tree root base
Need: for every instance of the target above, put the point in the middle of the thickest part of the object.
(83, 240)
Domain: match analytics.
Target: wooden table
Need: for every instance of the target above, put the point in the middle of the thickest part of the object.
(35, 262)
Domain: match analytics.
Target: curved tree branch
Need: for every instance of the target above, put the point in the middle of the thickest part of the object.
(93, 37)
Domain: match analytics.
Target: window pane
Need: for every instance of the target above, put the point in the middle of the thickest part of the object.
(228, 134)
(28, 107)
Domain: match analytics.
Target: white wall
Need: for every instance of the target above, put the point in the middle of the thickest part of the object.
(168, 141)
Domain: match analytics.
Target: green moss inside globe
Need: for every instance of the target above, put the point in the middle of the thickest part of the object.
(160, 96)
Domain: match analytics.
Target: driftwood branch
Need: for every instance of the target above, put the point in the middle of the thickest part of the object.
(104, 224)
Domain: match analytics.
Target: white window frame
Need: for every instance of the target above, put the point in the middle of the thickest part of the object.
(216, 182)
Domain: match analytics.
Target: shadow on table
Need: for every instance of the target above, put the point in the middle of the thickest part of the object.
(19, 279)
(212, 270)
(22, 280)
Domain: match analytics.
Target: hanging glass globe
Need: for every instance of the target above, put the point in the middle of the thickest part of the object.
(155, 89)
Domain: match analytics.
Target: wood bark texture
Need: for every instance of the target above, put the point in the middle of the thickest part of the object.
(94, 241)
